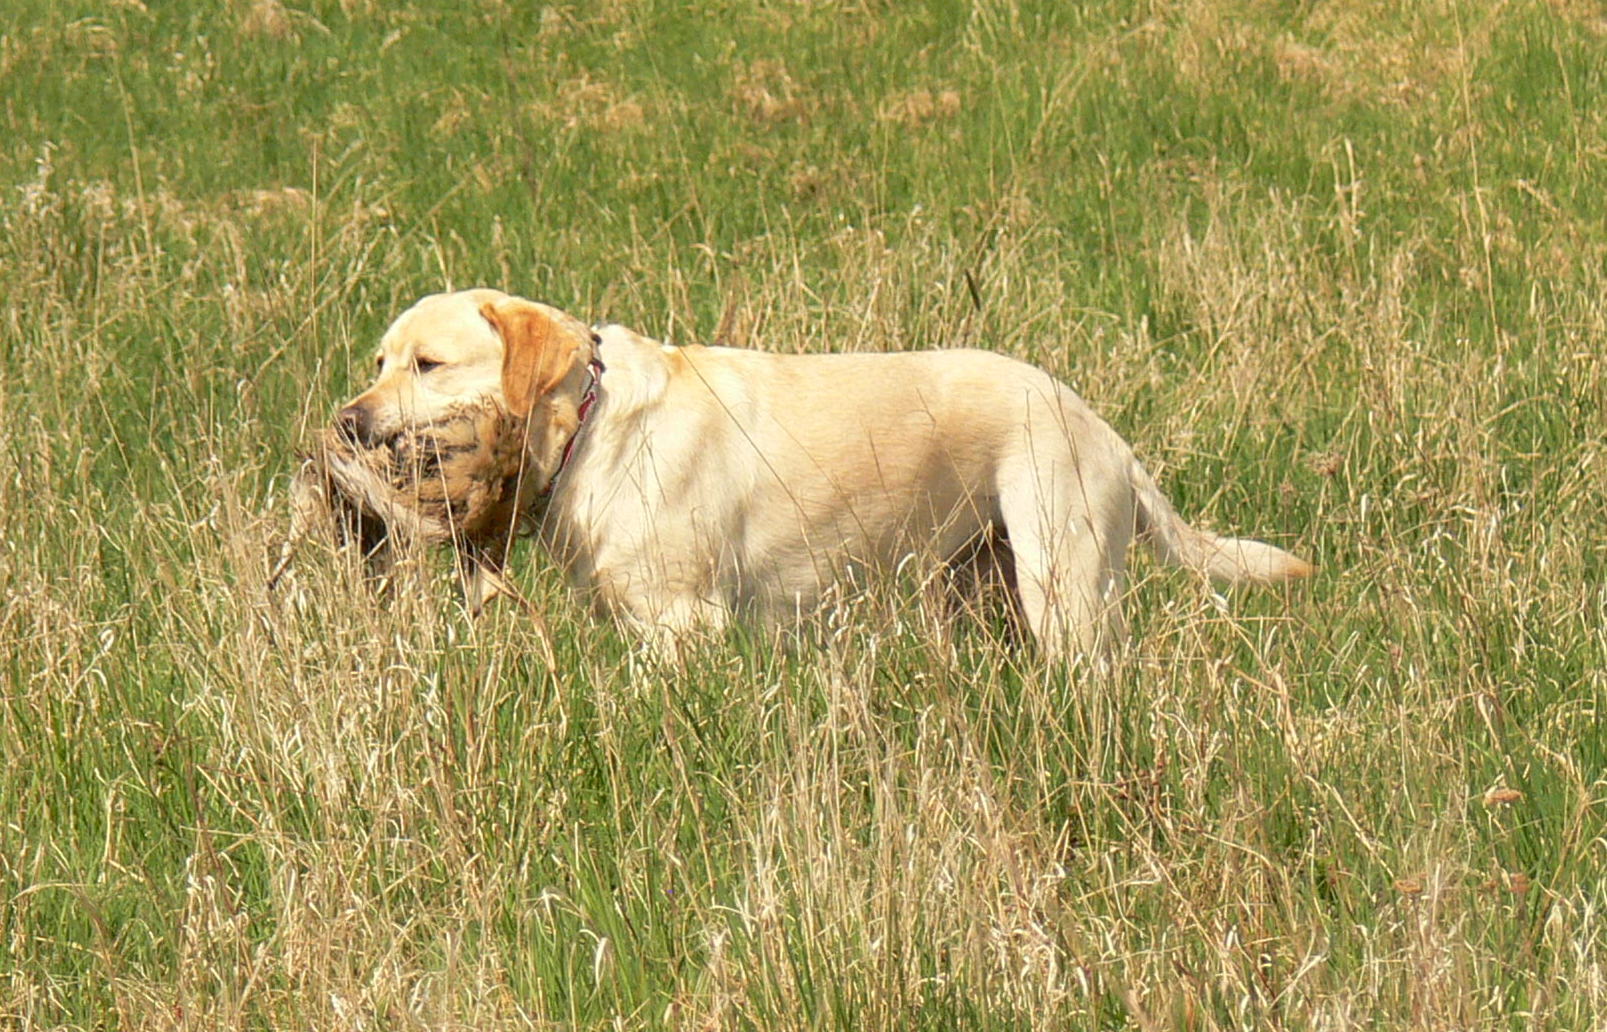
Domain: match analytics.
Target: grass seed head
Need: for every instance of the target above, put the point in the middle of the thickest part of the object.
(1500, 796)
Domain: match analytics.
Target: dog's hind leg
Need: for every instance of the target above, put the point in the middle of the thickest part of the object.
(1069, 538)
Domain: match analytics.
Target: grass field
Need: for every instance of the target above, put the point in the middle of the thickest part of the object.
(1336, 269)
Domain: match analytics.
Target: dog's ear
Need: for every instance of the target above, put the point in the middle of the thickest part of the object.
(539, 348)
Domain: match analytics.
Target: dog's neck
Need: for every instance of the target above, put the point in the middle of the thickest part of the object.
(588, 401)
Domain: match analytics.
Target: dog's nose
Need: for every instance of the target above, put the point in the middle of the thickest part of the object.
(356, 423)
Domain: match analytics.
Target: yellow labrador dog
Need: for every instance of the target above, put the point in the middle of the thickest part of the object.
(685, 486)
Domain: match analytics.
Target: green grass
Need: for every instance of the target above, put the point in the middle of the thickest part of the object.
(1336, 270)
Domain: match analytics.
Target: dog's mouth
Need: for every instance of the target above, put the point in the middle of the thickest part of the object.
(436, 480)
(403, 448)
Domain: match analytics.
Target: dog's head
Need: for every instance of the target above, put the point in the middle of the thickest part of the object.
(455, 351)
(465, 425)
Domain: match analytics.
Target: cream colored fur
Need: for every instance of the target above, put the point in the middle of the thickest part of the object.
(713, 482)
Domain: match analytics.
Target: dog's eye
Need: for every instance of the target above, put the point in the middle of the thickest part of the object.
(424, 365)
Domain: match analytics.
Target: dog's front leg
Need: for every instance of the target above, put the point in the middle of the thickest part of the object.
(480, 571)
(667, 621)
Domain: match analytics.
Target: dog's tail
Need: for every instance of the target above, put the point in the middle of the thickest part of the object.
(1223, 559)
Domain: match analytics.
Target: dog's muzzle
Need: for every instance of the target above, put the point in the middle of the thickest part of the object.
(356, 424)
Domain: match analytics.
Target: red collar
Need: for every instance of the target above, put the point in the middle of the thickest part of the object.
(588, 401)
